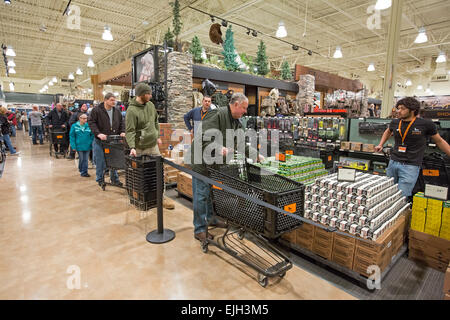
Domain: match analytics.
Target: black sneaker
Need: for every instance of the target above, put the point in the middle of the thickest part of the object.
(117, 183)
(87, 175)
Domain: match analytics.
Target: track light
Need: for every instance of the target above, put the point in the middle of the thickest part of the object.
(225, 23)
(254, 33)
(107, 35)
(422, 36)
(371, 67)
(90, 63)
(212, 19)
(88, 50)
(294, 47)
(10, 52)
(310, 53)
(338, 53)
(383, 4)
(281, 31)
(248, 32)
(11, 63)
(441, 57)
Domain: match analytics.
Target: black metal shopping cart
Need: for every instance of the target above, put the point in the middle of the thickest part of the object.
(252, 227)
(115, 152)
(58, 137)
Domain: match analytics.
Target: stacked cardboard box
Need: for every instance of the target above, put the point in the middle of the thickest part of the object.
(184, 184)
(170, 173)
(323, 243)
(447, 284)
(431, 216)
(430, 250)
(343, 250)
(166, 135)
(305, 236)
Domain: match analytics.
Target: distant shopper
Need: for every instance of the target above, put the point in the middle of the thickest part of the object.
(12, 121)
(58, 119)
(81, 138)
(19, 120)
(36, 125)
(4, 128)
(197, 114)
(410, 134)
(372, 110)
(73, 119)
(25, 120)
(105, 120)
(142, 128)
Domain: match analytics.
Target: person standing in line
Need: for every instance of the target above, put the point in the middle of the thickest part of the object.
(142, 128)
(13, 122)
(58, 118)
(25, 121)
(81, 138)
(410, 134)
(36, 125)
(197, 114)
(4, 128)
(105, 120)
(19, 120)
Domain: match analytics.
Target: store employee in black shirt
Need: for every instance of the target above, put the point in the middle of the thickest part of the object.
(410, 134)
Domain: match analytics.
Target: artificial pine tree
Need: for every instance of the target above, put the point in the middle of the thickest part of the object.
(229, 52)
(262, 65)
(176, 22)
(196, 50)
(286, 71)
(168, 37)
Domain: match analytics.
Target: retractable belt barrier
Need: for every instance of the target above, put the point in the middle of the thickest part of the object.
(256, 201)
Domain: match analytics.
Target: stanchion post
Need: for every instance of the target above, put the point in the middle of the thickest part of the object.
(160, 235)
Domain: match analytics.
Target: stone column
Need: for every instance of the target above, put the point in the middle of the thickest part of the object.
(180, 100)
(305, 96)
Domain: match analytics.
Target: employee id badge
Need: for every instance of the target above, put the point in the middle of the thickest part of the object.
(402, 149)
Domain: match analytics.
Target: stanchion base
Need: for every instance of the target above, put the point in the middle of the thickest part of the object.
(166, 236)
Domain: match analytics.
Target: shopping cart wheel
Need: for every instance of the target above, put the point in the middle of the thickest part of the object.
(281, 275)
(241, 234)
(205, 247)
(262, 280)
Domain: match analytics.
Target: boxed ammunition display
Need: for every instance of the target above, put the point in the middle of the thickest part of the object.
(368, 147)
(431, 216)
(355, 146)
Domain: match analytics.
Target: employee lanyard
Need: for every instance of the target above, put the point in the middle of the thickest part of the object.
(407, 129)
(203, 114)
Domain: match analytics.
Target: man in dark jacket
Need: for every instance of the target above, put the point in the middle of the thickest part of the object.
(196, 115)
(73, 119)
(219, 121)
(58, 119)
(105, 120)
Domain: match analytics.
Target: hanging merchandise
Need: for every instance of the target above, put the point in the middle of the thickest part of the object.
(208, 87)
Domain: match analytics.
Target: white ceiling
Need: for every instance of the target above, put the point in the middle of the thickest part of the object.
(329, 23)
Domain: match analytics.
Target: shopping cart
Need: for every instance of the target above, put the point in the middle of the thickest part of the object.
(115, 151)
(59, 137)
(253, 227)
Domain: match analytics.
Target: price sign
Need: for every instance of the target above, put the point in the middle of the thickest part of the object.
(437, 192)
(345, 174)
(280, 157)
(291, 152)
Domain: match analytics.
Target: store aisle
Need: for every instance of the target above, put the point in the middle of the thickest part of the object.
(53, 223)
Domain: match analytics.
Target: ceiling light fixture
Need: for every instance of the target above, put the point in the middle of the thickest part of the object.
(10, 52)
(11, 70)
(7, 1)
(441, 58)
(79, 72)
(11, 86)
(107, 35)
(50, 83)
(422, 36)
(212, 19)
(281, 31)
(371, 67)
(338, 53)
(408, 83)
(54, 80)
(383, 4)
(45, 87)
(90, 63)
(88, 50)
(11, 63)
(255, 33)
(419, 87)
(294, 47)
(71, 77)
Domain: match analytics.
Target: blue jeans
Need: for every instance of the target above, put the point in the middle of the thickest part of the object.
(19, 125)
(404, 174)
(83, 157)
(8, 143)
(37, 130)
(100, 164)
(13, 130)
(30, 132)
(203, 212)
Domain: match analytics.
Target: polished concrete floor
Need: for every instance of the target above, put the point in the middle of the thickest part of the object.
(62, 237)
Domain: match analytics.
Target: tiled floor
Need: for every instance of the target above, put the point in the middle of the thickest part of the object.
(55, 225)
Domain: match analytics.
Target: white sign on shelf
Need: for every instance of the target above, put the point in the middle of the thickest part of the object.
(437, 192)
(346, 174)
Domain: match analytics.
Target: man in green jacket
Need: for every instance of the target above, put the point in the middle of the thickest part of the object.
(142, 127)
(215, 124)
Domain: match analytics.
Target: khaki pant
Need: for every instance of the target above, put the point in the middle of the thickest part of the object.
(154, 151)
